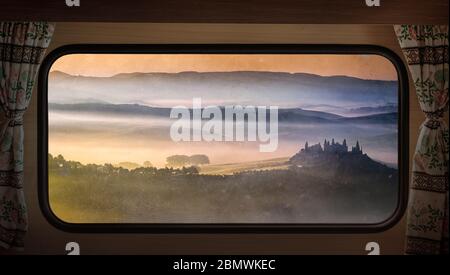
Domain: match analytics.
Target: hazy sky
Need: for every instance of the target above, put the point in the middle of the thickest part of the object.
(361, 66)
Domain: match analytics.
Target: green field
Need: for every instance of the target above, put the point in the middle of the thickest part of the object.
(267, 191)
(232, 168)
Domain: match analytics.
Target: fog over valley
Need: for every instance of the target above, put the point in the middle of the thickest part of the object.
(103, 114)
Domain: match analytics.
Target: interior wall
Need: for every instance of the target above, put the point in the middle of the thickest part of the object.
(231, 11)
(43, 238)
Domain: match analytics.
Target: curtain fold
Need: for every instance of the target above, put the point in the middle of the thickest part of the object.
(425, 48)
(22, 48)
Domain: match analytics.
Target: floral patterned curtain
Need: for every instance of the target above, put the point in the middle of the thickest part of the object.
(22, 47)
(426, 51)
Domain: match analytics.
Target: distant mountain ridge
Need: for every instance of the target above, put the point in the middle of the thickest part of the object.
(257, 88)
(353, 111)
(293, 115)
(337, 78)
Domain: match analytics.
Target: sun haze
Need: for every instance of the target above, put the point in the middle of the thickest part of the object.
(105, 65)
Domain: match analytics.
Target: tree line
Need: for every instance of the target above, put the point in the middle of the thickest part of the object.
(63, 166)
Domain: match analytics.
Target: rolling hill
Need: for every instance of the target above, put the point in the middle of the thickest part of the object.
(258, 88)
(293, 115)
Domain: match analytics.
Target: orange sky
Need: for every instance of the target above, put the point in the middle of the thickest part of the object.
(361, 66)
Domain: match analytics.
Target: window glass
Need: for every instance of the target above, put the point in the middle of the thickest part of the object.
(223, 138)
